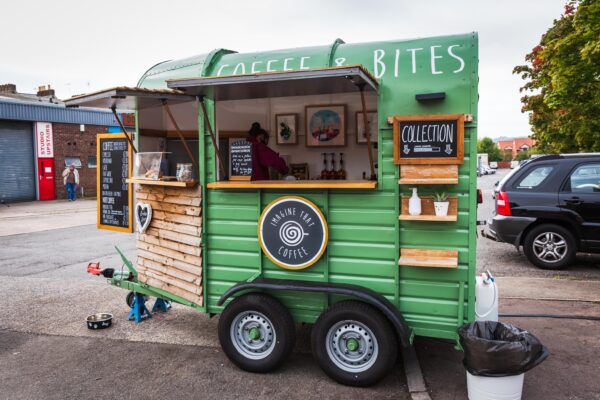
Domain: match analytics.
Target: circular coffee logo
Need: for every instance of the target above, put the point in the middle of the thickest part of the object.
(292, 232)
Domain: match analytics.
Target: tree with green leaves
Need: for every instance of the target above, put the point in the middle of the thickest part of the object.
(522, 155)
(487, 146)
(562, 85)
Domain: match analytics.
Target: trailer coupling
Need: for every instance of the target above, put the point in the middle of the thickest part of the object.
(94, 269)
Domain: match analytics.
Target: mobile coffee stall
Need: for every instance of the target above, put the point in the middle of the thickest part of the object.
(343, 247)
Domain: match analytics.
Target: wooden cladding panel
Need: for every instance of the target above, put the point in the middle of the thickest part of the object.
(428, 174)
(169, 252)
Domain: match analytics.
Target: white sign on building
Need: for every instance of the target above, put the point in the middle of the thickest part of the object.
(43, 135)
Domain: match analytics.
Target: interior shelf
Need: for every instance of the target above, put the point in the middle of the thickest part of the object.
(428, 258)
(141, 181)
(428, 175)
(428, 210)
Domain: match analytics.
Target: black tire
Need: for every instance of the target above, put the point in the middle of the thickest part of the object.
(558, 241)
(273, 322)
(131, 296)
(345, 321)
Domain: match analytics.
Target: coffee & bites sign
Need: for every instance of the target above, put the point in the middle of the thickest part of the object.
(293, 232)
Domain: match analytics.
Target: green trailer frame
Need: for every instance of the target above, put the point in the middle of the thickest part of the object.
(365, 242)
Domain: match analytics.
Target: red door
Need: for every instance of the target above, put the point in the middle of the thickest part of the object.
(46, 178)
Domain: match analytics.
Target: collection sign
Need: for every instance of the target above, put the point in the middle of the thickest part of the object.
(429, 139)
(44, 139)
(240, 160)
(293, 232)
(113, 192)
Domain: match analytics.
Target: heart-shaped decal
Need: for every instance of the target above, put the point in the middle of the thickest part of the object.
(143, 216)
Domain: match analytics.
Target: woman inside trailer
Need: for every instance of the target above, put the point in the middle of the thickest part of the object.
(263, 156)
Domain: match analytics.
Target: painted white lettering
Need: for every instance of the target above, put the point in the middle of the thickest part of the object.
(242, 69)
(378, 65)
(396, 62)
(269, 65)
(221, 69)
(285, 64)
(433, 58)
(302, 62)
(460, 60)
(414, 58)
(340, 61)
(253, 69)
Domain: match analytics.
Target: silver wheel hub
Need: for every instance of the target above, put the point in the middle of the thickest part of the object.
(550, 247)
(252, 335)
(351, 346)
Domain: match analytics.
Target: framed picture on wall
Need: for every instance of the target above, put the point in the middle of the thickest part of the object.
(325, 125)
(300, 171)
(361, 136)
(287, 128)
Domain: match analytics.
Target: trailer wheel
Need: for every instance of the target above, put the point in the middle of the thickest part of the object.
(256, 332)
(131, 296)
(354, 343)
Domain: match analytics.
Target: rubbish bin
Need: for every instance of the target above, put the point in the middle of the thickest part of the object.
(496, 357)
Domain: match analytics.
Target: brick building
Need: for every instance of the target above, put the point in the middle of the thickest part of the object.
(39, 137)
(515, 146)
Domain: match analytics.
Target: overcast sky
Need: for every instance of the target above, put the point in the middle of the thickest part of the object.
(82, 46)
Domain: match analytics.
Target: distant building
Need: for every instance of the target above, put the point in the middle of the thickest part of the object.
(515, 146)
(39, 137)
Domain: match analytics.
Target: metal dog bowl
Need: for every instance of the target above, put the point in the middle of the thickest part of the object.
(99, 321)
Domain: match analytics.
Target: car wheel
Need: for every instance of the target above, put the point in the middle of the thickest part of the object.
(354, 343)
(256, 332)
(549, 246)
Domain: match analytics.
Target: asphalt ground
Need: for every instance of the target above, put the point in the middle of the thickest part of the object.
(46, 351)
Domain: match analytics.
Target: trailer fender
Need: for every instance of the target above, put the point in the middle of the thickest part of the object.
(369, 296)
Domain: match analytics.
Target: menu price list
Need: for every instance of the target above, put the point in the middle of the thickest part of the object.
(114, 171)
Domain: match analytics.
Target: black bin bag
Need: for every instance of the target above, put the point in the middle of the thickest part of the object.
(495, 349)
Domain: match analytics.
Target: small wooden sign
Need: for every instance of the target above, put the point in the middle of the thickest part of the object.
(114, 194)
(240, 160)
(429, 139)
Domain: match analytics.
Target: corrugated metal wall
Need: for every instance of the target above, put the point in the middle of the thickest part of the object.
(17, 169)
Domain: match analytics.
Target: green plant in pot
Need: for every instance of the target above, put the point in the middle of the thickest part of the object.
(440, 204)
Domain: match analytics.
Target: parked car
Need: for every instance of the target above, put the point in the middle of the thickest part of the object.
(493, 164)
(488, 171)
(551, 207)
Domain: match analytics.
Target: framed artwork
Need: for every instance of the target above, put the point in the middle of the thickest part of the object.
(325, 125)
(361, 137)
(300, 171)
(287, 128)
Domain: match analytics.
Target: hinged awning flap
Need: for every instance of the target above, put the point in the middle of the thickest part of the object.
(129, 98)
(278, 84)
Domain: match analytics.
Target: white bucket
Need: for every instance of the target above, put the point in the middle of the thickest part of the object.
(487, 388)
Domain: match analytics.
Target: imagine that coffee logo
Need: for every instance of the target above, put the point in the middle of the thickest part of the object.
(292, 232)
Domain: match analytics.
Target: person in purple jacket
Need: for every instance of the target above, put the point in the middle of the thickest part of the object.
(262, 156)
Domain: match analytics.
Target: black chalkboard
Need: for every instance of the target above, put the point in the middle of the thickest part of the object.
(434, 139)
(240, 159)
(114, 194)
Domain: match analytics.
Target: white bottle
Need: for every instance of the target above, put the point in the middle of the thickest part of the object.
(486, 298)
(414, 203)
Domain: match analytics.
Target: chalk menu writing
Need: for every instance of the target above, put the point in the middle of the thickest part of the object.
(113, 167)
(240, 158)
(429, 139)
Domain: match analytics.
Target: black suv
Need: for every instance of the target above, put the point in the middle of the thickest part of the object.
(551, 206)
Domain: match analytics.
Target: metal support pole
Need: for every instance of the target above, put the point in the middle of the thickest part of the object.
(114, 111)
(361, 87)
(187, 149)
(212, 136)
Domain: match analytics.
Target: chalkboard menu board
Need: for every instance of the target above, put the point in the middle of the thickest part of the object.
(429, 139)
(114, 193)
(240, 160)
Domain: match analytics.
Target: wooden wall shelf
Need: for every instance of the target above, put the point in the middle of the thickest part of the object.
(428, 210)
(140, 181)
(428, 258)
(428, 175)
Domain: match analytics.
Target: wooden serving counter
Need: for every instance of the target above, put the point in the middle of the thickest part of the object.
(169, 253)
(304, 184)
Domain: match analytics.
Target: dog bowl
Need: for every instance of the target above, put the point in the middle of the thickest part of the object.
(99, 321)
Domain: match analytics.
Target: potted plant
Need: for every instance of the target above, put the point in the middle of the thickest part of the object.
(440, 203)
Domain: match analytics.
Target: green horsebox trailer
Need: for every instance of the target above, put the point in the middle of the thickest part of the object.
(343, 247)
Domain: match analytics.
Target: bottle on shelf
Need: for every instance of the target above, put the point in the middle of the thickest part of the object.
(341, 171)
(414, 203)
(332, 171)
(324, 170)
